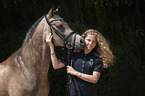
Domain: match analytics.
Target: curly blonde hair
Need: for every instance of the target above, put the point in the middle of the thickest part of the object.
(102, 47)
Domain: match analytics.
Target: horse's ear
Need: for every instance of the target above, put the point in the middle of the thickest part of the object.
(57, 10)
(50, 13)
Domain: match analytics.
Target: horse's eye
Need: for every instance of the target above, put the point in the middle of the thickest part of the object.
(59, 26)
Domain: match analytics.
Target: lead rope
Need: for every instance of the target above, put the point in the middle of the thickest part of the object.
(70, 78)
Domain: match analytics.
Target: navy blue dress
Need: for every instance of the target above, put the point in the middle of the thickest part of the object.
(84, 63)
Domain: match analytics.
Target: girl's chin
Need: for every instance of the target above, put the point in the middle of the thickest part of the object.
(89, 48)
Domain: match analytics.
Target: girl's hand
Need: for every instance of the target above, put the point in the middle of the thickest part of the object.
(71, 70)
(49, 40)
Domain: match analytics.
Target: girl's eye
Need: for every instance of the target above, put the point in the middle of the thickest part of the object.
(89, 40)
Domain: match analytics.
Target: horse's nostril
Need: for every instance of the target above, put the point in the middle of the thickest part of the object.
(81, 41)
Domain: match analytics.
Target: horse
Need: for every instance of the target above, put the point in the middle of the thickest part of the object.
(25, 72)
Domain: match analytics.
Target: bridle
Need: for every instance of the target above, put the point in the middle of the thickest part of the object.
(64, 38)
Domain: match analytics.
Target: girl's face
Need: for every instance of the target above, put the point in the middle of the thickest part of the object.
(91, 42)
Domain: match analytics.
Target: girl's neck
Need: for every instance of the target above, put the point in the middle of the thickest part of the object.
(86, 51)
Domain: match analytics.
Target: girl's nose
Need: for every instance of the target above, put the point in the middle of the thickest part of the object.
(90, 42)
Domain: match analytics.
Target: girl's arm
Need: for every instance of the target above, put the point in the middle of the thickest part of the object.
(56, 64)
(89, 78)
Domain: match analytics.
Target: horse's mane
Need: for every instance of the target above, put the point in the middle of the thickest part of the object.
(32, 30)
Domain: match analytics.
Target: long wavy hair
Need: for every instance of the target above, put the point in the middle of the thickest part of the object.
(102, 47)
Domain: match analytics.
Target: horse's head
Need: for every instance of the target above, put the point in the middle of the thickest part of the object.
(62, 34)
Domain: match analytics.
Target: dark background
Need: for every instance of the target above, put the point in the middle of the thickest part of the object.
(121, 22)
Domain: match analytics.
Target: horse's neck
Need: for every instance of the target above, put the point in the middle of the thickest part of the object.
(34, 53)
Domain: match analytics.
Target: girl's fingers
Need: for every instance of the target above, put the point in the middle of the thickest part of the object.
(67, 67)
(48, 38)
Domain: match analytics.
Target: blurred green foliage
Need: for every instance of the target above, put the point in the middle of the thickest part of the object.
(120, 21)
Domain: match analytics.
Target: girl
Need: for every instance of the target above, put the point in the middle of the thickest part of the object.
(87, 63)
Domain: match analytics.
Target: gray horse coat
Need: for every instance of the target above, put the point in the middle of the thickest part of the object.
(25, 72)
